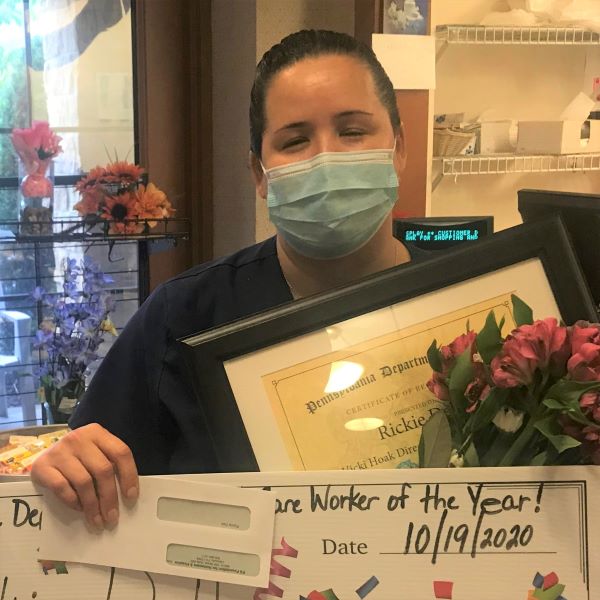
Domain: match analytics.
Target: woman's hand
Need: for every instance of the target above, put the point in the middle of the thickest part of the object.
(81, 470)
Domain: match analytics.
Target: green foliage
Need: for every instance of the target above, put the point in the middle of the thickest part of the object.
(435, 447)
(460, 377)
(553, 432)
(489, 339)
(489, 409)
(522, 313)
(434, 357)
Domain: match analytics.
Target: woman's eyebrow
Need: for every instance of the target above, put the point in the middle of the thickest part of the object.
(295, 125)
(341, 115)
(351, 113)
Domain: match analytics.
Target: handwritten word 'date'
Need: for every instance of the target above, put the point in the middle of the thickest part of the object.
(335, 547)
(339, 501)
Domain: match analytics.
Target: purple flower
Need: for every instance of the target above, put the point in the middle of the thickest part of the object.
(73, 331)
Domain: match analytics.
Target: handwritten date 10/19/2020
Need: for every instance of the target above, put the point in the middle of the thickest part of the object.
(473, 538)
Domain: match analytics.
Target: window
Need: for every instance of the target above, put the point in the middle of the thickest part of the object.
(68, 62)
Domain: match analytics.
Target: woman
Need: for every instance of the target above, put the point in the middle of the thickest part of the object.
(327, 150)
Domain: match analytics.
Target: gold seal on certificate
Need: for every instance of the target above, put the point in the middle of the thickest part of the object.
(362, 405)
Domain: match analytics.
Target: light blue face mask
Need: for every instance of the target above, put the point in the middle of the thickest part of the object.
(332, 204)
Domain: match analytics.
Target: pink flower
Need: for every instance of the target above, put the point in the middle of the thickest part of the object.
(539, 346)
(591, 443)
(477, 391)
(590, 405)
(438, 384)
(584, 365)
(588, 435)
(457, 347)
(583, 332)
(38, 139)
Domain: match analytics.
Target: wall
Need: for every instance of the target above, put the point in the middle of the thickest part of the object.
(234, 51)
(239, 217)
(518, 82)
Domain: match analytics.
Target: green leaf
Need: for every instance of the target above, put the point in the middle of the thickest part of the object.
(434, 357)
(555, 404)
(498, 450)
(458, 380)
(539, 459)
(522, 313)
(436, 442)
(489, 408)
(471, 457)
(567, 392)
(489, 339)
(551, 430)
(501, 324)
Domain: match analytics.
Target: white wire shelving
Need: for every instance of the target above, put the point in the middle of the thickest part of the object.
(514, 163)
(485, 34)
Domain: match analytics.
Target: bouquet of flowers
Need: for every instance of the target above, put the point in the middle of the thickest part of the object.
(36, 147)
(120, 193)
(530, 398)
(70, 336)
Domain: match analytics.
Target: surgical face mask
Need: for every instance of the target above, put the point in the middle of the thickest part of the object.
(332, 204)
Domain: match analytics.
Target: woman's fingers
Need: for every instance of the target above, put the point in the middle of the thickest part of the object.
(121, 457)
(81, 470)
(53, 479)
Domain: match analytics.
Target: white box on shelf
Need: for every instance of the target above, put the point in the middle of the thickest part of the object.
(494, 137)
(558, 137)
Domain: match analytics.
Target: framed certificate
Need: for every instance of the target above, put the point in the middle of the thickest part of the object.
(338, 380)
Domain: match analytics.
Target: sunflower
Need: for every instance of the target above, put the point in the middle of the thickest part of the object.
(92, 179)
(121, 210)
(127, 174)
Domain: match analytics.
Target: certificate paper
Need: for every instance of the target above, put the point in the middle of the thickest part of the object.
(363, 407)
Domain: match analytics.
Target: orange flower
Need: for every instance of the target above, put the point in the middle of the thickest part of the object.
(125, 171)
(152, 203)
(90, 202)
(121, 209)
(93, 177)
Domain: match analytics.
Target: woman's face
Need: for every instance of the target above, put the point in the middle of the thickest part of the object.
(323, 104)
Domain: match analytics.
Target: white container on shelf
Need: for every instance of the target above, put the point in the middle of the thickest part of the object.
(494, 137)
(558, 137)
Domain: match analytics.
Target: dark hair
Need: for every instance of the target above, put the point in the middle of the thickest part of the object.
(311, 43)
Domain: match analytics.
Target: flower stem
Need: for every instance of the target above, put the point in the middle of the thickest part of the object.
(520, 443)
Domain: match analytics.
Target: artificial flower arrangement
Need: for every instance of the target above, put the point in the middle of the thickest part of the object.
(120, 194)
(530, 398)
(36, 146)
(71, 334)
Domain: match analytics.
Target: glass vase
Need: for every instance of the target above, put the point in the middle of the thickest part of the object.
(61, 402)
(37, 193)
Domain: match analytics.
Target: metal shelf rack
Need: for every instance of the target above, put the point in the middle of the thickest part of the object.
(514, 163)
(505, 35)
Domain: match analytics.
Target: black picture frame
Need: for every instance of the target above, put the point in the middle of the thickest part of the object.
(206, 352)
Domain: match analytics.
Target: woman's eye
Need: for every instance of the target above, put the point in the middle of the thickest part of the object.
(293, 142)
(352, 133)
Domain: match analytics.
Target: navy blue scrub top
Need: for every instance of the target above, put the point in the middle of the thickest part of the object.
(140, 391)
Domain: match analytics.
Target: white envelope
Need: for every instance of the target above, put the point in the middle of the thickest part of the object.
(199, 530)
